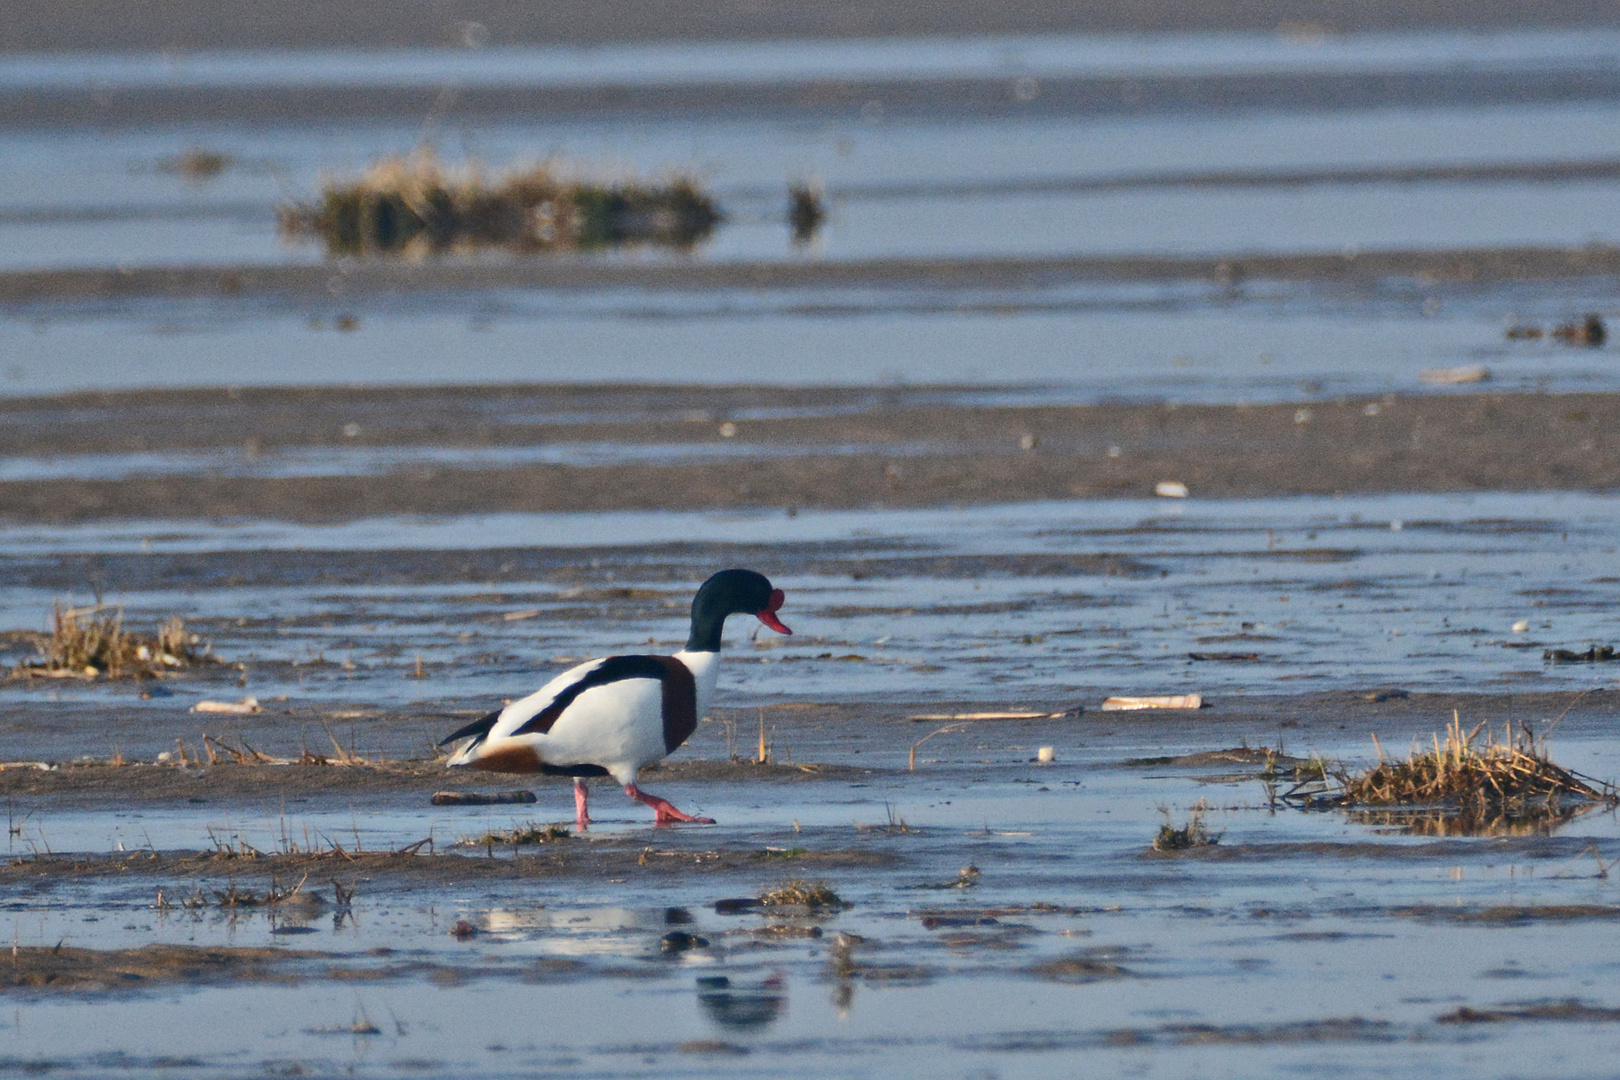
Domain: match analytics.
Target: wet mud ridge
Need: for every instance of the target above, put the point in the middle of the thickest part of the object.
(225, 782)
(323, 455)
(1362, 271)
(92, 25)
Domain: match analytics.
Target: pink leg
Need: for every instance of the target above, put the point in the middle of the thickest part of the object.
(582, 817)
(666, 814)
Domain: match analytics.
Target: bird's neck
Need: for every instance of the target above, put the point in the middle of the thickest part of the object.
(707, 629)
(705, 668)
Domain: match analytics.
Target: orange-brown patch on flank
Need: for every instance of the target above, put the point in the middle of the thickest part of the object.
(512, 758)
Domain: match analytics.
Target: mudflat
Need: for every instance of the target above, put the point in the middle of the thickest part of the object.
(941, 847)
(846, 449)
(837, 744)
(361, 279)
(198, 24)
(856, 895)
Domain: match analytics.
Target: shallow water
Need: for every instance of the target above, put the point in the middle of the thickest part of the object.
(672, 63)
(333, 461)
(1324, 217)
(1083, 598)
(917, 186)
(1316, 941)
(77, 199)
(1184, 343)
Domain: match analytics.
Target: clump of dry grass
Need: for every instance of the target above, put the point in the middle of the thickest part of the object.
(530, 833)
(815, 895)
(88, 642)
(1194, 834)
(416, 206)
(1467, 770)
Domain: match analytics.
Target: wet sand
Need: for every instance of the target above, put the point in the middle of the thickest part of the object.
(862, 452)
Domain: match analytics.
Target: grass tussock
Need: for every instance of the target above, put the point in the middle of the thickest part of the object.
(92, 642)
(416, 206)
(1194, 834)
(531, 833)
(815, 895)
(1469, 767)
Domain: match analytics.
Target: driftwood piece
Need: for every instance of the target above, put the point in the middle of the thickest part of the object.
(482, 798)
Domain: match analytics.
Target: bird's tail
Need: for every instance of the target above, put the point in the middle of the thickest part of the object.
(476, 732)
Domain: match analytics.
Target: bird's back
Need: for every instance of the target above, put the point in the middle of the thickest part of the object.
(616, 712)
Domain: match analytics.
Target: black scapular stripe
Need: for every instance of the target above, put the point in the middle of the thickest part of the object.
(479, 727)
(573, 770)
(679, 705)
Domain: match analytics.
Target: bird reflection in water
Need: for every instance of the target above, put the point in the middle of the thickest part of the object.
(743, 1007)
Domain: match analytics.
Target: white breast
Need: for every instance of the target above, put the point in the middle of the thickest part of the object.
(705, 669)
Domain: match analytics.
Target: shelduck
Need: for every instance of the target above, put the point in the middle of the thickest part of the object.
(617, 715)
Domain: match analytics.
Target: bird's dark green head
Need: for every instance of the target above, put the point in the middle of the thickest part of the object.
(732, 592)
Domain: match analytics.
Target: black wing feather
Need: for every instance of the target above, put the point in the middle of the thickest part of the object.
(479, 727)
